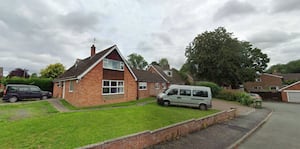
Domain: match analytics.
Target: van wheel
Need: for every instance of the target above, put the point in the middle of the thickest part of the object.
(202, 107)
(13, 99)
(166, 103)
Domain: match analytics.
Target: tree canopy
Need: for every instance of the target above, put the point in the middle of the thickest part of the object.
(52, 71)
(137, 61)
(290, 67)
(164, 63)
(218, 57)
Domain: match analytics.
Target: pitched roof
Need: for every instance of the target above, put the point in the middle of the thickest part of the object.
(289, 86)
(291, 76)
(175, 79)
(81, 67)
(273, 75)
(147, 76)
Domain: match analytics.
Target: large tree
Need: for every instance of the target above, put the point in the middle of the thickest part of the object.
(217, 56)
(290, 67)
(52, 71)
(137, 61)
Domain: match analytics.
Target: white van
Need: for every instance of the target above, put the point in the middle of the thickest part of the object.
(185, 95)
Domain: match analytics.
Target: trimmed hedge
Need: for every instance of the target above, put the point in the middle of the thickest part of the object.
(45, 84)
(239, 96)
(215, 89)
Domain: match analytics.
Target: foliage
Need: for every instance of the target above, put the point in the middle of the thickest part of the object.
(75, 129)
(18, 72)
(45, 84)
(290, 67)
(215, 89)
(218, 57)
(239, 96)
(164, 63)
(33, 75)
(154, 63)
(137, 61)
(53, 71)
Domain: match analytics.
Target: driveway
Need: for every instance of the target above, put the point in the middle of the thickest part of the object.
(227, 105)
(280, 131)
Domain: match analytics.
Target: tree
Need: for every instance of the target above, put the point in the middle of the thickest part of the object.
(18, 72)
(137, 61)
(154, 63)
(33, 75)
(52, 71)
(218, 57)
(164, 63)
(290, 67)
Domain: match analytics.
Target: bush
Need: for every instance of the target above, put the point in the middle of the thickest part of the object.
(239, 96)
(215, 89)
(45, 84)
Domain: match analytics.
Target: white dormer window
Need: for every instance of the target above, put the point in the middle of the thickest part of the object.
(113, 64)
(168, 73)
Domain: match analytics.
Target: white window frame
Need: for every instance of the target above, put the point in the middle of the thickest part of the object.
(157, 85)
(276, 88)
(119, 87)
(71, 86)
(258, 80)
(142, 85)
(257, 88)
(164, 85)
(108, 64)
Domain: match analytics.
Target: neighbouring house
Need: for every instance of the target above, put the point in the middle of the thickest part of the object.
(265, 83)
(291, 93)
(102, 78)
(289, 78)
(171, 76)
(149, 84)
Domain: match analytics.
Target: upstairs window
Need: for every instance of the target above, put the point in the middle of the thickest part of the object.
(113, 64)
(258, 79)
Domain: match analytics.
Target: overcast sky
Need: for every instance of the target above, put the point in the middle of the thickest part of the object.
(36, 33)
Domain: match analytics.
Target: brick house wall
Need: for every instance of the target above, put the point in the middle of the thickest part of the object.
(284, 94)
(263, 83)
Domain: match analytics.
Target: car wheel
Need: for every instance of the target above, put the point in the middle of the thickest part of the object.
(44, 97)
(202, 107)
(166, 103)
(13, 99)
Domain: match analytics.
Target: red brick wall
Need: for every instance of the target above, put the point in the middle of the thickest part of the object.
(266, 82)
(57, 90)
(88, 90)
(147, 138)
(155, 91)
(284, 94)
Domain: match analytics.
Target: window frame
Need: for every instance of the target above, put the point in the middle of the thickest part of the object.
(71, 86)
(142, 85)
(119, 87)
(156, 85)
(109, 64)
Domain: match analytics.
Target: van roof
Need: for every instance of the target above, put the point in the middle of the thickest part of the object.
(189, 87)
(18, 85)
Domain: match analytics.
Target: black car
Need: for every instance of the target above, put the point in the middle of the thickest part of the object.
(15, 92)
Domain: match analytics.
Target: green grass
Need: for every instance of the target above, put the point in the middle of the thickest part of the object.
(75, 129)
(130, 103)
(21, 111)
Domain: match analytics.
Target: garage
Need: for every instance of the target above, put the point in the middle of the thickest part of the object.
(293, 96)
(291, 93)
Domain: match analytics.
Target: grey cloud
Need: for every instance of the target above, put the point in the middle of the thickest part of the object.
(285, 5)
(164, 38)
(233, 8)
(271, 38)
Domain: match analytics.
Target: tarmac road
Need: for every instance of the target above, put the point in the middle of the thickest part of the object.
(281, 131)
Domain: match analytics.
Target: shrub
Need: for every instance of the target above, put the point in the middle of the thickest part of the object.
(239, 96)
(45, 84)
(215, 89)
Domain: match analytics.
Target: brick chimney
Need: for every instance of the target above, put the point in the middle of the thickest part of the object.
(93, 50)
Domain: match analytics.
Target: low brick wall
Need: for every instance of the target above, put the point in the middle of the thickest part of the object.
(149, 138)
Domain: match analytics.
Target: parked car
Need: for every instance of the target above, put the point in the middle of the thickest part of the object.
(15, 92)
(185, 95)
(255, 97)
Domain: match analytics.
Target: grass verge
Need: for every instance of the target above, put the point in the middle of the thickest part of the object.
(75, 129)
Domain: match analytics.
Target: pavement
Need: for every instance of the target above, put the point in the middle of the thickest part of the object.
(223, 135)
(58, 105)
(281, 131)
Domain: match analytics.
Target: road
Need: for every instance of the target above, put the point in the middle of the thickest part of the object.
(282, 130)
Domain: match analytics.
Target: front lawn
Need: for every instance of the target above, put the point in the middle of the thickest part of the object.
(75, 129)
(14, 112)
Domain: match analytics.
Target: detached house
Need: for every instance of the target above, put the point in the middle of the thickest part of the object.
(264, 82)
(105, 77)
(102, 78)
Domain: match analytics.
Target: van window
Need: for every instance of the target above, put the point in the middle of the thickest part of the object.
(185, 92)
(24, 89)
(34, 89)
(173, 92)
(199, 93)
(12, 89)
